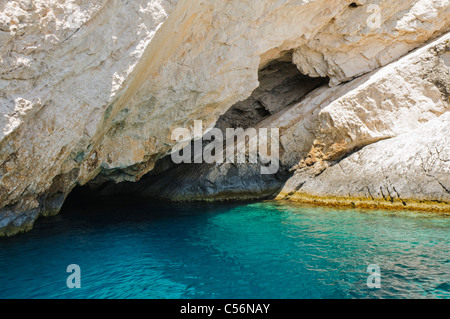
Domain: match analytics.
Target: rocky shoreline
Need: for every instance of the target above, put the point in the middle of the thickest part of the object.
(91, 92)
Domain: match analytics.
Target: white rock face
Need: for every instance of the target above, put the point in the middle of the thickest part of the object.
(414, 165)
(328, 124)
(93, 89)
(61, 65)
(394, 120)
(372, 25)
(385, 103)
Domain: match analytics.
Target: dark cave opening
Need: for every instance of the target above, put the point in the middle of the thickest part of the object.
(281, 86)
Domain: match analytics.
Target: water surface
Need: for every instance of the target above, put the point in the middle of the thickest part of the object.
(131, 249)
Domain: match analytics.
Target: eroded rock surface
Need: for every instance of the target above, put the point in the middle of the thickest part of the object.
(90, 91)
(392, 131)
(401, 172)
(327, 125)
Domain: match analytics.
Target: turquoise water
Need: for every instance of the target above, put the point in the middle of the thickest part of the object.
(241, 250)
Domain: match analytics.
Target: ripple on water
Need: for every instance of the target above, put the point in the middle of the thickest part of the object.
(228, 250)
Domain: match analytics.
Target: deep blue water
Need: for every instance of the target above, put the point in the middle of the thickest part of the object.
(235, 250)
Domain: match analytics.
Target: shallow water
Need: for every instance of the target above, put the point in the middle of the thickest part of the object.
(234, 250)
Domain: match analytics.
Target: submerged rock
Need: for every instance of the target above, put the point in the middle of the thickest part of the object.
(90, 93)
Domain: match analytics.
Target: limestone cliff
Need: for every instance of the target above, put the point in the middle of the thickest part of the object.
(91, 91)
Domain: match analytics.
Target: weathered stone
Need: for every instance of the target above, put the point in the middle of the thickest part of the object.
(411, 170)
(317, 132)
(96, 87)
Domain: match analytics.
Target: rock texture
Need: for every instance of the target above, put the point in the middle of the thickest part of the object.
(385, 140)
(281, 86)
(328, 125)
(402, 172)
(90, 91)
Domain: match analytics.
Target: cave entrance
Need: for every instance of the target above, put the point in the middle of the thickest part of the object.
(281, 86)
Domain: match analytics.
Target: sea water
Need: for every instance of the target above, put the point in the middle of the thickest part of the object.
(269, 250)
